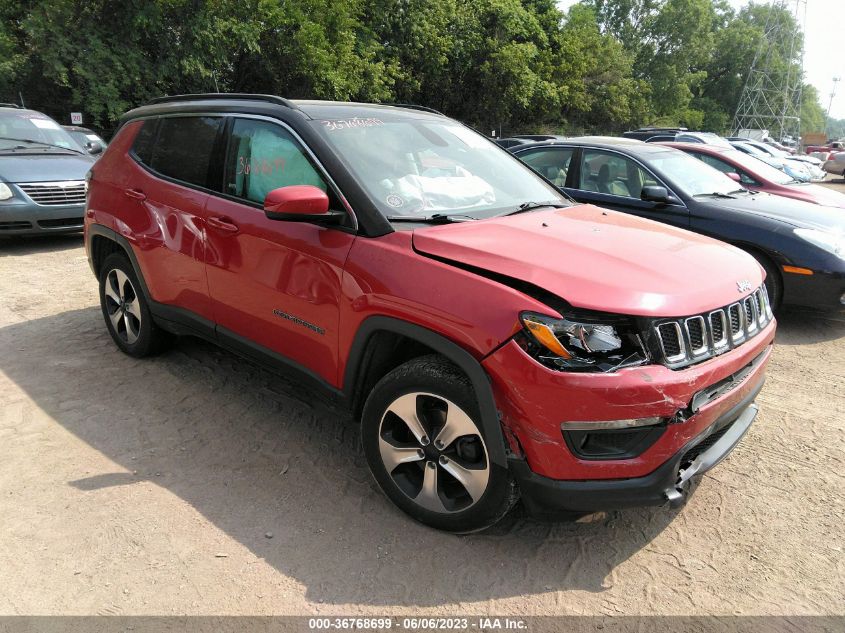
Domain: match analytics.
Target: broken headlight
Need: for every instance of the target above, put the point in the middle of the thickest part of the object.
(577, 344)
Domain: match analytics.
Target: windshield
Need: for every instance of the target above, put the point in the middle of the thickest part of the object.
(760, 167)
(25, 125)
(420, 167)
(690, 175)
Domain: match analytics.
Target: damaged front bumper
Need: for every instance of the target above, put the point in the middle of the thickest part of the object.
(696, 415)
(670, 483)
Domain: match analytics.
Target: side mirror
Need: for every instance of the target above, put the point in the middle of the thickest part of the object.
(300, 203)
(94, 147)
(652, 193)
(734, 176)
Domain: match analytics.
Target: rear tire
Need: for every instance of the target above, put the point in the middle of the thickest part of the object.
(427, 450)
(126, 311)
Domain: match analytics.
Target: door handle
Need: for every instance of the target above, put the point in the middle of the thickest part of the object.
(135, 194)
(223, 224)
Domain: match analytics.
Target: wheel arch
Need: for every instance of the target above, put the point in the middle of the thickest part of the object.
(367, 362)
(103, 241)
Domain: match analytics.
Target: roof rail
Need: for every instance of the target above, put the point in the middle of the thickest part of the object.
(413, 106)
(10, 105)
(223, 96)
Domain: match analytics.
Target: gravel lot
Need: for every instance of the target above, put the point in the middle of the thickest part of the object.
(196, 483)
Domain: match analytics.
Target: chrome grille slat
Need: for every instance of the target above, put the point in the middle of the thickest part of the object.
(697, 333)
(55, 193)
(695, 338)
(719, 329)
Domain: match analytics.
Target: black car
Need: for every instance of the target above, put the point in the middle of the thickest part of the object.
(800, 245)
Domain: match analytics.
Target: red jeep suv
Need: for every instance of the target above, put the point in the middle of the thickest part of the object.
(497, 341)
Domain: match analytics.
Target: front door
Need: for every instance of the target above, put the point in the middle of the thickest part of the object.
(614, 181)
(274, 284)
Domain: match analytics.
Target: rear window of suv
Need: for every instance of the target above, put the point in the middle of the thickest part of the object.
(181, 148)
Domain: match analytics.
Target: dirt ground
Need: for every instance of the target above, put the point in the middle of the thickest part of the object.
(196, 483)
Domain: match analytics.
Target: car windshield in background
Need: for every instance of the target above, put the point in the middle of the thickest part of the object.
(29, 126)
(690, 175)
(416, 167)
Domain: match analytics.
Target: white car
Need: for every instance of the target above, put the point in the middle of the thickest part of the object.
(836, 164)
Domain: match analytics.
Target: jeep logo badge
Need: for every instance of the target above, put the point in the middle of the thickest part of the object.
(743, 285)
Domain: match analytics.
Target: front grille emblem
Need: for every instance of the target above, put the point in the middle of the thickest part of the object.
(743, 285)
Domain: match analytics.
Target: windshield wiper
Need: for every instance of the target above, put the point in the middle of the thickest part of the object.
(525, 207)
(26, 140)
(437, 218)
(716, 194)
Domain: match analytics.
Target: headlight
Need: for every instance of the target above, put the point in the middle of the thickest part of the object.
(831, 242)
(5, 192)
(575, 344)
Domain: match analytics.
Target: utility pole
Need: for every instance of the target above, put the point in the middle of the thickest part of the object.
(830, 104)
(771, 98)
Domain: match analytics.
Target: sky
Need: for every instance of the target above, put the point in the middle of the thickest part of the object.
(823, 57)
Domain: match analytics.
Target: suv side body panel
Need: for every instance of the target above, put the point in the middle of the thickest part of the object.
(163, 222)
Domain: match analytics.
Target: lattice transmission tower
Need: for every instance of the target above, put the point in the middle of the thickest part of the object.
(771, 97)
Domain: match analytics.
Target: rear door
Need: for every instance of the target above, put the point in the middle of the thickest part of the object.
(164, 200)
(275, 285)
(615, 181)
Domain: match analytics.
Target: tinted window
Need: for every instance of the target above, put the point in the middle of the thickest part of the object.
(263, 156)
(184, 147)
(613, 174)
(144, 141)
(551, 163)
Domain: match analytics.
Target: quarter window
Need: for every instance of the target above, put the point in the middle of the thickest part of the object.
(184, 147)
(263, 156)
(144, 142)
(613, 174)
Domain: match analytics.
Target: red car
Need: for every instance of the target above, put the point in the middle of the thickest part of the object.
(495, 340)
(754, 174)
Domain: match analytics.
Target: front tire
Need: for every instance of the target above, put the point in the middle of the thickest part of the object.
(126, 311)
(427, 450)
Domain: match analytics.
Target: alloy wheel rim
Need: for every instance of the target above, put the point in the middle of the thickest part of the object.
(122, 306)
(434, 452)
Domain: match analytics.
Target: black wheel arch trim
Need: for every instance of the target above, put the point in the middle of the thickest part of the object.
(98, 230)
(464, 360)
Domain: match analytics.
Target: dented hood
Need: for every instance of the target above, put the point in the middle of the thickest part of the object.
(600, 260)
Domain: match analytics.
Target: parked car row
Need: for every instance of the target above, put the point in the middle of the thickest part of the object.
(799, 240)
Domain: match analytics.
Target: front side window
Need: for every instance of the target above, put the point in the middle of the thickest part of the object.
(609, 173)
(415, 167)
(263, 156)
(726, 168)
(689, 174)
(553, 163)
(184, 147)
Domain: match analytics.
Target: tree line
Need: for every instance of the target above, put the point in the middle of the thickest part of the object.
(603, 66)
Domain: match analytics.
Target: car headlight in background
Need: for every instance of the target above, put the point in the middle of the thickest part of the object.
(5, 191)
(573, 344)
(831, 242)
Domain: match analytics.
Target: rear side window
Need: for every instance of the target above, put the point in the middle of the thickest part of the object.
(144, 141)
(263, 156)
(184, 146)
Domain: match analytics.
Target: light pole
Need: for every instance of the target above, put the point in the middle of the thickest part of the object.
(830, 104)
